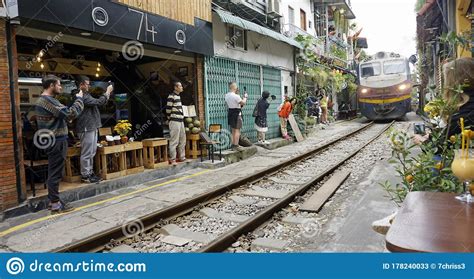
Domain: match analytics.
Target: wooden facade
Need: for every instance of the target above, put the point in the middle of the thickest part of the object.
(180, 10)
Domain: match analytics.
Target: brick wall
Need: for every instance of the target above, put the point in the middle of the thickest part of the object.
(8, 185)
(200, 89)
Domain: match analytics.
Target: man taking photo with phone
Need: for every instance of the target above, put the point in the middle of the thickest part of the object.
(87, 124)
(234, 114)
(52, 116)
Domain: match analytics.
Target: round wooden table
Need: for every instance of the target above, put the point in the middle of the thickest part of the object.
(432, 222)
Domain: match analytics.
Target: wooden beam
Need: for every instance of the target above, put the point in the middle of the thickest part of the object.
(322, 195)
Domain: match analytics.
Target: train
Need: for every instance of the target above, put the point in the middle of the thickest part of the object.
(385, 86)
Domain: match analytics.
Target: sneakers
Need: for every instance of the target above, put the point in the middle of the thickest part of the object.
(265, 142)
(237, 148)
(91, 178)
(60, 207)
(174, 163)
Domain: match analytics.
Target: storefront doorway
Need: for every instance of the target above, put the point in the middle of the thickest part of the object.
(141, 88)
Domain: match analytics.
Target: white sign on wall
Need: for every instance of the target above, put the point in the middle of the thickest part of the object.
(9, 8)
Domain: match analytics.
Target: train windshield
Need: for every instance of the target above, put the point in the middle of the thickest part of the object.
(394, 67)
(370, 69)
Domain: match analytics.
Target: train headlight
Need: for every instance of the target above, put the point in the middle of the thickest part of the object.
(402, 87)
(364, 91)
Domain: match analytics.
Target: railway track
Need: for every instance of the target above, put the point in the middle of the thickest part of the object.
(212, 221)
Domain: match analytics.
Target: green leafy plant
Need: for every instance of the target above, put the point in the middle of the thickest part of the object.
(429, 170)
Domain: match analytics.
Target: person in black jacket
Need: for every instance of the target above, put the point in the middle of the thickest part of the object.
(86, 127)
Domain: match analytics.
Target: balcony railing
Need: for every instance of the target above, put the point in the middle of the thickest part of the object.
(292, 31)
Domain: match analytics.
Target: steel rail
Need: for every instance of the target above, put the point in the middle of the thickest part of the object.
(97, 242)
(225, 240)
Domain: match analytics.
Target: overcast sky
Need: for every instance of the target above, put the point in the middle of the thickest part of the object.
(389, 25)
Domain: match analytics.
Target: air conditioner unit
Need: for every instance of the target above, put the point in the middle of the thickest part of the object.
(273, 8)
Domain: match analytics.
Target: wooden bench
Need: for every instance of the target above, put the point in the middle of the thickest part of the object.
(155, 153)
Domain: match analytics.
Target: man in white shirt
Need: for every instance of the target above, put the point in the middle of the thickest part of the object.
(235, 104)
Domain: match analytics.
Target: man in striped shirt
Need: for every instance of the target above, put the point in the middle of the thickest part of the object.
(174, 113)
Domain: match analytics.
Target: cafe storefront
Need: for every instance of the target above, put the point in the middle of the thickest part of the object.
(141, 52)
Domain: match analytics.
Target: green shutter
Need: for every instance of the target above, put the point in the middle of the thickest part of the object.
(219, 72)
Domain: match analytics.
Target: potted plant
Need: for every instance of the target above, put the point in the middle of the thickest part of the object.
(123, 127)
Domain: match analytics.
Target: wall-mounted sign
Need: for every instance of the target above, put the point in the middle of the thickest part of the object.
(180, 37)
(100, 16)
(113, 19)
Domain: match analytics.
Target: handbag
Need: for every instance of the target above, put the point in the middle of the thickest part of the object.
(255, 110)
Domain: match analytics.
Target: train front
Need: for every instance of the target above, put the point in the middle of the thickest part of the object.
(385, 89)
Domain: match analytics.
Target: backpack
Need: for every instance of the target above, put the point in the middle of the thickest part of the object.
(255, 111)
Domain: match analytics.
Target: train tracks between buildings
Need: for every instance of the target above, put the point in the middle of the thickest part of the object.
(213, 221)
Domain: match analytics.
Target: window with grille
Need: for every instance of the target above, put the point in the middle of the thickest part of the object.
(237, 37)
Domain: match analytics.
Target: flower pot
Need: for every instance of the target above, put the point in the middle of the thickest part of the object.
(124, 139)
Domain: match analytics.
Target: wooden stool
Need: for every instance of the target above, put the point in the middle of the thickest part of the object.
(192, 146)
(155, 153)
(133, 156)
(73, 165)
(110, 161)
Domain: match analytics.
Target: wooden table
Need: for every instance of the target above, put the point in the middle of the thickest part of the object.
(192, 149)
(72, 165)
(432, 222)
(155, 153)
(133, 156)
(110, 160)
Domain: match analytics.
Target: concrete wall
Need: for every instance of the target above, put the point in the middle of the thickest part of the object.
(286, 80)
(261, 50)
(463, 24)
(298, 5)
